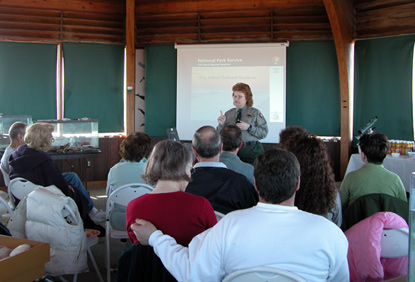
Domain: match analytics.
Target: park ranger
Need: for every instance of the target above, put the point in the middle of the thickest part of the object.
(249, 119)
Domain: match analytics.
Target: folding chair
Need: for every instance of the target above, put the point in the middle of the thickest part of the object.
(121, 196)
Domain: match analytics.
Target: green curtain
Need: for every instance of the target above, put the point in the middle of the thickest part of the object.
(94, 84)
(313, 87)
(383, 85)
(28, 79)
(160, 89)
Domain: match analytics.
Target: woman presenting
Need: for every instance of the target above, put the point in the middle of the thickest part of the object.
(250, 120)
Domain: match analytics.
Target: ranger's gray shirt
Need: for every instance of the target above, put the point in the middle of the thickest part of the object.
(252, 116)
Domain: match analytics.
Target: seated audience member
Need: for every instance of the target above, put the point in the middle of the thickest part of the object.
(290, 135)
(31, 162)
(273, 233)
(318, 192)
(133, 151)
(177, 213)
(231, 137)
(225, 189)
(372, 177)
(17, 132)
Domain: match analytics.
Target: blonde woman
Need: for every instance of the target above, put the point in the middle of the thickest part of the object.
(32, 163)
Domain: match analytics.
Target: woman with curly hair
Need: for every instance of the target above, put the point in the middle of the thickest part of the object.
(318, 193)
(290, 135)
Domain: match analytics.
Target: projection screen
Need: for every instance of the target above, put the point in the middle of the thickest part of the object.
(206, 74)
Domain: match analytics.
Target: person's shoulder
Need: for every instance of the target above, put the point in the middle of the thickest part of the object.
(319, 221)
(140, 199)
(246, 165)
(9, 150)
(358, 172)
(232, 110)
(116, 166)
(192, 197)
(238, 179)
(253, 110)
(227, 157)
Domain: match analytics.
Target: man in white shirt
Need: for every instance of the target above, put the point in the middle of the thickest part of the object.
(272, 233)
(17, 132)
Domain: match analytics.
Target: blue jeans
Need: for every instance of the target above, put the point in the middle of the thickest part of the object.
(73, 179)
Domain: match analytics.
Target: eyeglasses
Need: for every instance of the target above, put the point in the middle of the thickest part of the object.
(238, 96)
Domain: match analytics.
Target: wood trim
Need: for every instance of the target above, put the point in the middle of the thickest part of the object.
(340, 13)
(130, 64)
(146, 7)
(95, 6)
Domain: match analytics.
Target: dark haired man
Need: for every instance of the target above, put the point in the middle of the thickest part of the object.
(273, 233)
(231, 137)
(372, 177)
(225, 189)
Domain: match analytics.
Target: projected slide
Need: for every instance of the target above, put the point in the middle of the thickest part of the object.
(205, 80)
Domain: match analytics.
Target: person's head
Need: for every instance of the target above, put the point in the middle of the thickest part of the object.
(231, 137)
(290, 134)
(169, 160)
(39, 136)
(277, 173)
(375, 146)
(17, 131)
(135, 147)
(242, 95)
(318, 191)
(206, 142)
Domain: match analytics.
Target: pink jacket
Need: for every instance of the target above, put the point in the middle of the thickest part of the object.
(365, 263)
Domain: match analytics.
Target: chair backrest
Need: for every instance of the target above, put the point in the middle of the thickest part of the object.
(5, 176)
(125, 193)
(69, 215)
(262, 274)
(219, 215)
(20, 187)
(395, 243)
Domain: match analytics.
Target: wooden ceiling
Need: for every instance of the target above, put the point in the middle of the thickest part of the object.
(195, 21)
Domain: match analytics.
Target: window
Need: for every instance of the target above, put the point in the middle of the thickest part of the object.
(81, 80)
